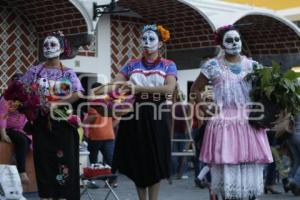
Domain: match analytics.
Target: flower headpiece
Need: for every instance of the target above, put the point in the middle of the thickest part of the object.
(219, 33)
(159, 29)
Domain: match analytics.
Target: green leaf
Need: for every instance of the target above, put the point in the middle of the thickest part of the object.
(268, 90)
(297, 90)
(291, 75)
(266, 77)
(276, 67)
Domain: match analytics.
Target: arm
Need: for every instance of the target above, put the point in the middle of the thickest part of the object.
(197, 87)
(3, 121)
(167, 88)
(70, 98)
(4, 137)
(107, 89)
(115, 122)
(90, 119)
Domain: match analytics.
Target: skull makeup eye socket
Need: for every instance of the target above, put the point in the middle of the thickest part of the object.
(151, 39)
(144, 39)
(52, 44)
(45, 45)
(229, 40)
(236, 39)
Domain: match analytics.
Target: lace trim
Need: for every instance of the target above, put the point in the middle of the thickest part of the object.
(237, 181)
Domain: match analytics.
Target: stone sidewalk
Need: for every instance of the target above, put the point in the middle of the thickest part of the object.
(183, 189)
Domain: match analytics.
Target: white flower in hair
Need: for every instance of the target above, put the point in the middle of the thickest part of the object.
(152, 27)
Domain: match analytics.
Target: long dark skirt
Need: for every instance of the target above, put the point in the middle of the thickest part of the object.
(142, 148)
(56, 159)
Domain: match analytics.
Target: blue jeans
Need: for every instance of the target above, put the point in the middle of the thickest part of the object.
(105, 146)
(294, 144)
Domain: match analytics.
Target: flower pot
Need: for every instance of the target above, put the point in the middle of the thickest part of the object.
(268, 116)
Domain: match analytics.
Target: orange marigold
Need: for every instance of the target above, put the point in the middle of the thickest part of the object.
(165, 34)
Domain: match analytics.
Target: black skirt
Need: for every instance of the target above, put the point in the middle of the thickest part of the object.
(56, 159)
(143, 146)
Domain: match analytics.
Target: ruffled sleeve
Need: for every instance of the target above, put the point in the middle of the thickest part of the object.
(210, 69)
(125, 71)
(76, 84)
(252, 64)
(171, 70)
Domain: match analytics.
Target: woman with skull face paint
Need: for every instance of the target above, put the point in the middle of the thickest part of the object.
(235, 151)
(55, 145)
(142, 149)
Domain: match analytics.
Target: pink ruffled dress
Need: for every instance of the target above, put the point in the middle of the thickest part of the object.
(235, 151)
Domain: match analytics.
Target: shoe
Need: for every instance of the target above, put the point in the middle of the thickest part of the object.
(253, 198)
(295, 189)
(286, 183)
(92, 185)
(271, 190)
(184, 177)
(200, 183)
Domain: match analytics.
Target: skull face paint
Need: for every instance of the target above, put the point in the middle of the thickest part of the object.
(232, 43)
(150, 41)
(51, 47)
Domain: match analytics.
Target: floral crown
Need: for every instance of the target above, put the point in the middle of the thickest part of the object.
(164, 33)
(218, 34)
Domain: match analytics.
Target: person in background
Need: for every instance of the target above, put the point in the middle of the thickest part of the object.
(271, 168)
(293, 181)
(101, 137)
(179, 163)
(12, 123)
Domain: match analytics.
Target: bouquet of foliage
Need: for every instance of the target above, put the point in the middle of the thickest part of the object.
(26, 97)
(279, 93)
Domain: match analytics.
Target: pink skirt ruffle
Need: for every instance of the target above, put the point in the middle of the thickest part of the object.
(234, 141)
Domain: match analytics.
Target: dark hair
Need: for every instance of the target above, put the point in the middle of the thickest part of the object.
(16, 76)
(96, 84)
(220, 32)
(64, 43)
(60, 38)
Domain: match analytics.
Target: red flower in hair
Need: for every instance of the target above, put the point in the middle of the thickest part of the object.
(219, 31)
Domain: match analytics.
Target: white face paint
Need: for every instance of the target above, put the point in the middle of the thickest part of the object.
(232, 42)
(51, 47)
(150, 41)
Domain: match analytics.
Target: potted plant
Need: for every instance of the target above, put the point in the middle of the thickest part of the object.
(278, 92)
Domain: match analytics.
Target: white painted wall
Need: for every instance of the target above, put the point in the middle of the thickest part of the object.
(184, 76)
(101, 64)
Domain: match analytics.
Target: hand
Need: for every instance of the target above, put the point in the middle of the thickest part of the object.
(130, 88)
(207, 96)
(5, 138)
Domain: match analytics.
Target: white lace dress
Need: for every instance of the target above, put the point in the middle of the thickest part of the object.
(236, 152)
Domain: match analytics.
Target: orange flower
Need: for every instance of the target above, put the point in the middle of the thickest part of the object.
(165, 34)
